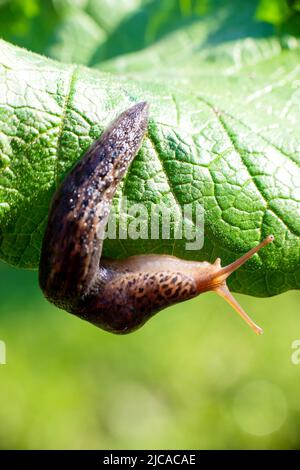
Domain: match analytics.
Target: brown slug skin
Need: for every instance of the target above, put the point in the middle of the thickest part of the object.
(118, 296)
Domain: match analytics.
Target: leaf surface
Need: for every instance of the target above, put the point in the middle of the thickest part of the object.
(223, 132)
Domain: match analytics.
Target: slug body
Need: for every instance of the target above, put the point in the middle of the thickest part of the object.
(118, 296)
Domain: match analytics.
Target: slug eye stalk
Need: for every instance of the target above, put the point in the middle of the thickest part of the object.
(221, 286)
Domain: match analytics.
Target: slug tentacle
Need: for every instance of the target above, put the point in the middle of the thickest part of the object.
(118, 296)
(223, 273)
(224, 292)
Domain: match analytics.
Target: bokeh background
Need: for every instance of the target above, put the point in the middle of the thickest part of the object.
(195, 376)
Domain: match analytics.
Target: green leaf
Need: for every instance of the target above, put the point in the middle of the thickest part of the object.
(224, 98)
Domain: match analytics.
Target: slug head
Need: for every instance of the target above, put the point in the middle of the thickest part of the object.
(215, 279)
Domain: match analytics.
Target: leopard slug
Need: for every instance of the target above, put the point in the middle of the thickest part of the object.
(116, 295)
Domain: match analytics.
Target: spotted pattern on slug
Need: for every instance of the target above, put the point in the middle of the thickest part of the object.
(130, 298)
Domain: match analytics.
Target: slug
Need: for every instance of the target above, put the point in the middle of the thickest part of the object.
(118, 296)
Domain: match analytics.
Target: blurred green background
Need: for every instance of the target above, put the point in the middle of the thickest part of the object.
(195, 376)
